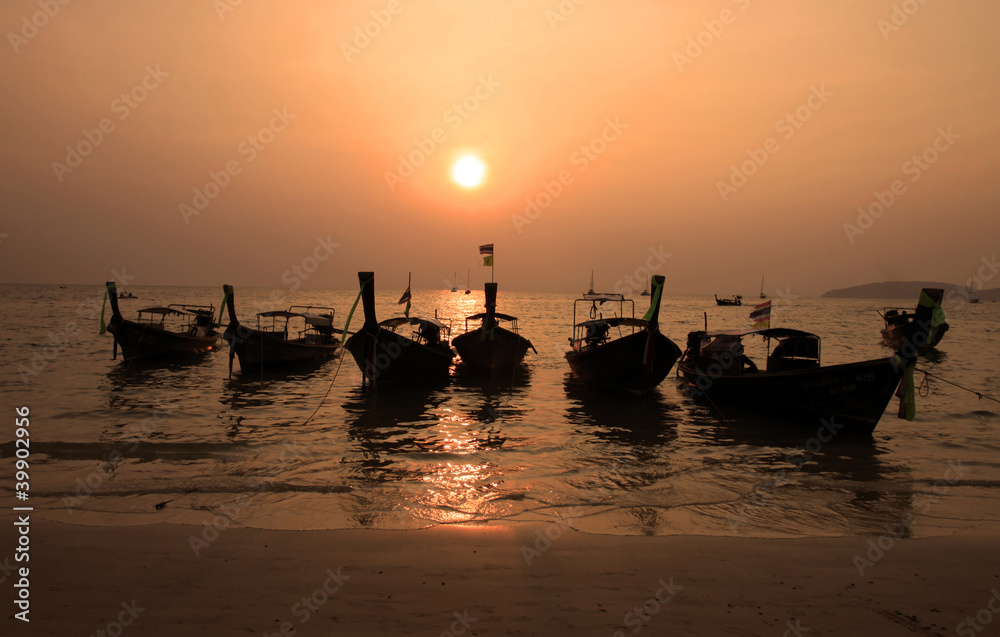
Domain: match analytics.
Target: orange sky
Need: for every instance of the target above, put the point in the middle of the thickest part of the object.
(641, 108)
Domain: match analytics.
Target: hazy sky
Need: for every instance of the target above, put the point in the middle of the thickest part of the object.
(737, 136)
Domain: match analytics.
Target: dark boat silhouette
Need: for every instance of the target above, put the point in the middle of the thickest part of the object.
(925, 327)
(387, 357)
(736, 299)
(793, 385)
(637, 361)
(274, 346)
(150, 337)
(491, 348)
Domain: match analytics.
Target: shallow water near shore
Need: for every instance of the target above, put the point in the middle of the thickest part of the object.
(115, 443)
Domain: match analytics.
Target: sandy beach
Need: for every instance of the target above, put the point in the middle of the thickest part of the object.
(521, 579)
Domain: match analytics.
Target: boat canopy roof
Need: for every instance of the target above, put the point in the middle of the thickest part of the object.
(482, 315)
(615, 321)
(168, 310)
(402, 320)
(319, 320)
(771, 332)
(603, 296)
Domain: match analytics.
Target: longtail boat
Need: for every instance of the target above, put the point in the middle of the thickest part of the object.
(925, 327)
(191, 330)
(387, 357)
(276, 341)
(637, 360)
(736, 299)
(793, 385)
(492, 348)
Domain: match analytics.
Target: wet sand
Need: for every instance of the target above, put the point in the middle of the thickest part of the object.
(520, 579)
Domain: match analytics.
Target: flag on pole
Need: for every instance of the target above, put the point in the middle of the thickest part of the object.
(486, 252)
(406, 299)
(761, 315)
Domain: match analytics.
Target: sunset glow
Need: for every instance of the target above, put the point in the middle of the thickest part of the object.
(830, 136)
(468, 171)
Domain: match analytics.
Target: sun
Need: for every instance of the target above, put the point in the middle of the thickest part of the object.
(468, 171)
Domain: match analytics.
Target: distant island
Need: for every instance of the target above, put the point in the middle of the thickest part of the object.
(910, 290)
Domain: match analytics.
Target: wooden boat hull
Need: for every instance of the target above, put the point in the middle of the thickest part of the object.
(386, 357)
(139, 340)
(853, 395)
(617, 365)
(260, 350)
(502, 352)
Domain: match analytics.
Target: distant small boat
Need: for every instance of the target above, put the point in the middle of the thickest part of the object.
(273, 345)
(645, 291)
(126, 295)
(974, 301)
(491, 348)
(637, 361)
(793, 385)
(454, 282)
(150, 337)
(735, 300)
(387, 357)
(925, 327)
(468, 278)
(762, 295)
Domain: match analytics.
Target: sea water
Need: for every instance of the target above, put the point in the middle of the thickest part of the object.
(119, 443)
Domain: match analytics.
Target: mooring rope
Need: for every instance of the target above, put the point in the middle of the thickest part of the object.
(979, 395)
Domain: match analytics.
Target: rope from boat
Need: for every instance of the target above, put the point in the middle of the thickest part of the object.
(328, 389)
(979, 395)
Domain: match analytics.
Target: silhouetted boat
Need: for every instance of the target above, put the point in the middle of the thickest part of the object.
(793, 385)
(149, 336)
(925, 327)
(636, 361)
(273, 346)
(468, 278)
(387, 357)
(490, 348)
(645, 290)
(735, 300)
(762, 295)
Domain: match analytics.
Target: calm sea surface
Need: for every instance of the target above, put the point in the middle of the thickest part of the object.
(119, 444)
